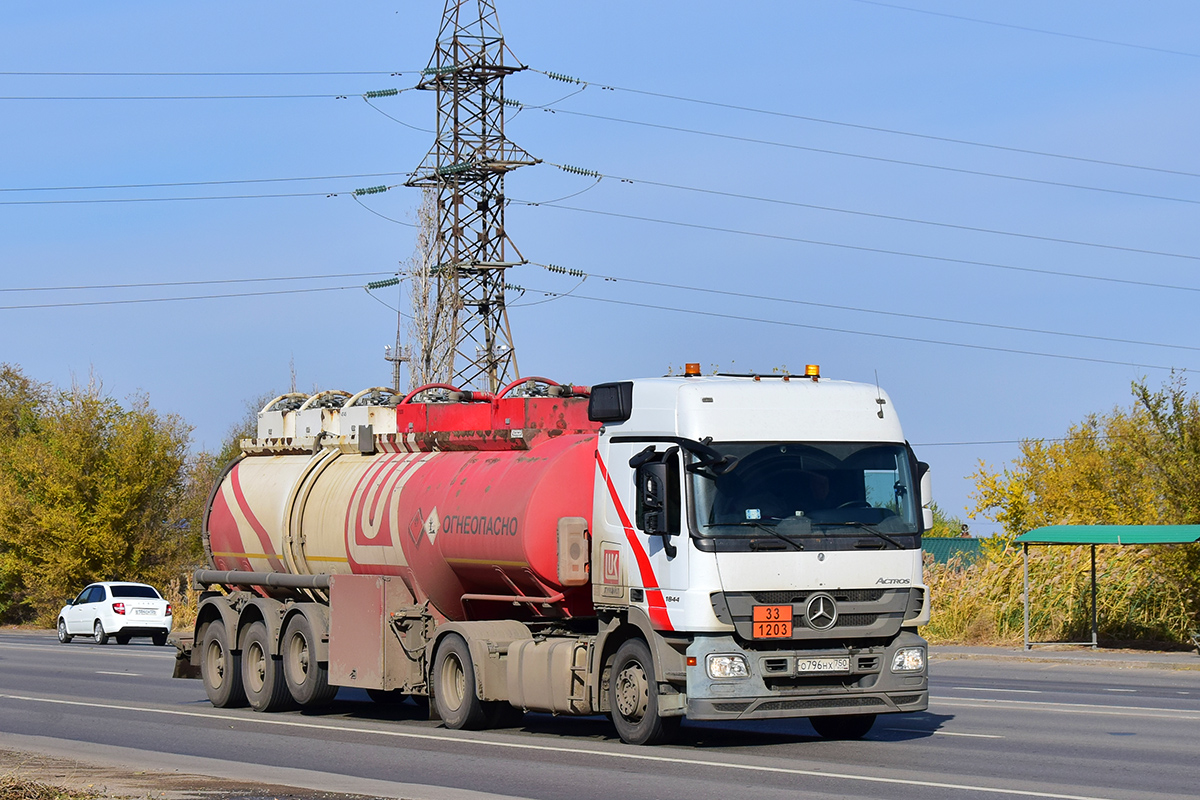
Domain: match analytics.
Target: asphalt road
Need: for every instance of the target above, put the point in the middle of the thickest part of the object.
(995, 729)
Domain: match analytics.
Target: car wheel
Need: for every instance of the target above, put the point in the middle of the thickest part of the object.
(159, 639)
(307, 678)
(220, 668)
(843, 726)
(454, 686)
(63, 636)
(122, 639)
(98, 633)
(633, 697)
(262, 673)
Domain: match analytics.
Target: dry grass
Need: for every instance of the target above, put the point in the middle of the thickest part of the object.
(13, 787)
(1145, 595)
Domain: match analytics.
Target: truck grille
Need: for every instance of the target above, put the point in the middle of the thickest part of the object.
(842, 596)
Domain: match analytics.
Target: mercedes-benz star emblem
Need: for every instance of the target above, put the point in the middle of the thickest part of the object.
(821, 612)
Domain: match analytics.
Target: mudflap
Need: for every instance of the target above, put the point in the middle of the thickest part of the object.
(183, 657)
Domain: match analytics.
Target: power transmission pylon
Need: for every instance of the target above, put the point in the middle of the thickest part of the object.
(466, 168)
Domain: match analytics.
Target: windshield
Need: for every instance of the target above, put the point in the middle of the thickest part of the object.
(798, 489)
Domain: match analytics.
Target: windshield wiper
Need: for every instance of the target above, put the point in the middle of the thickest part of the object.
(870, 530)
(762, 527)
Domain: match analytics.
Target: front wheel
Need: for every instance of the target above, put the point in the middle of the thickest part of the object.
(221, 668)
(98, 633)
(63, 636)
(847, 726)
(454, 686)
(633, 697)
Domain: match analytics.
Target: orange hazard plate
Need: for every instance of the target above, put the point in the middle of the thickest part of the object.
(772, 622)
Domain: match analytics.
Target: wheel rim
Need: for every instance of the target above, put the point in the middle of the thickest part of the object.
(98, 631)
(256, 667)
(633, 692)
(214, 663)
(62, 631)
(298, 658)
(453, 683)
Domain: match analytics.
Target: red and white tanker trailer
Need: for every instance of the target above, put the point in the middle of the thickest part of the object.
(717, 548)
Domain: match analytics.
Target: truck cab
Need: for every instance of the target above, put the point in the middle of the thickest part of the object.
(768, 528)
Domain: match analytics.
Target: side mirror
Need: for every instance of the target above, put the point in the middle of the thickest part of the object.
(926, 496)
(658, 496)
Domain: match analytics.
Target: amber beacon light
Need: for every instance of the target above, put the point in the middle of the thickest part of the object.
(691, 370)
(812, 371)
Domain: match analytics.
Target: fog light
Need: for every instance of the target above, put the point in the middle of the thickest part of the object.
(727, 667)
(909, 659)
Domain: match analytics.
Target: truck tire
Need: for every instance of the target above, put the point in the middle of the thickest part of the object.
(63, 636)
(221, 668)
(262, 673)
(843, 726)
(306, 677)
(98, 633)
(453, 682)
(633, 697)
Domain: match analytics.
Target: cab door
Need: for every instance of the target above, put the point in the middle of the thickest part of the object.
(644, 513)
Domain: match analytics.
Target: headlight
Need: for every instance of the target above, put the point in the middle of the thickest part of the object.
(727, 667)
(909, 659)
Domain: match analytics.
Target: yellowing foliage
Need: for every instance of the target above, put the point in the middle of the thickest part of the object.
(1139, 466)
(89, 490)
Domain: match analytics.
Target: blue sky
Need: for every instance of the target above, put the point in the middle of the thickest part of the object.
(958, 388)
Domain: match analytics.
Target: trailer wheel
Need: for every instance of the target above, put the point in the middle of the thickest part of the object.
(454, 686)
(843, 726)
(307, 679)
(633, 697)
(262, 673)
(220, 668)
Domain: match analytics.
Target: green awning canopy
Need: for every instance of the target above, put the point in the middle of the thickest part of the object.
(1112, 534)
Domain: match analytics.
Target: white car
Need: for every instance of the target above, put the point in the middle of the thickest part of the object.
(118, 609)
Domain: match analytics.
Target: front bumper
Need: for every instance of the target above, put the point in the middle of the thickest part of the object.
(775, 689)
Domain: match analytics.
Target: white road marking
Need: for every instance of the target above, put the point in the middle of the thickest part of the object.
(1069, 708)
(947, 733)
(463, 738)
(122, 674)
(1121, 690)
(990, 689)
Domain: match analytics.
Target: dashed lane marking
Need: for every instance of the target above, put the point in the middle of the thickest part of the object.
(461, 738)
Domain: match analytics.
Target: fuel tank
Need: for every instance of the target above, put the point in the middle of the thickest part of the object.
(481, 533)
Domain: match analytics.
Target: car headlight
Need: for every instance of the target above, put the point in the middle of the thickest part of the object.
(728, 667)
(909, 659)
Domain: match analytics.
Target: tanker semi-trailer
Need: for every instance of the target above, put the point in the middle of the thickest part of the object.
(725, 547)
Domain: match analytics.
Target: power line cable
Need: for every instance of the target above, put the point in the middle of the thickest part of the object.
(881, 159)
(139, 300)
(184, 97)
(161, 284)
(1029, 29)
(177, 184)
(813, 304)
(880, 129)
(912, 220)
(863, 248)
(201, 74)
(897, 337)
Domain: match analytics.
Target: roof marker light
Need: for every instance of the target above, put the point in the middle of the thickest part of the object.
(691, 369)
(812, 371)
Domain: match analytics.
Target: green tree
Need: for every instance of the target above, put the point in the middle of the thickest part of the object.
(89, 489)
